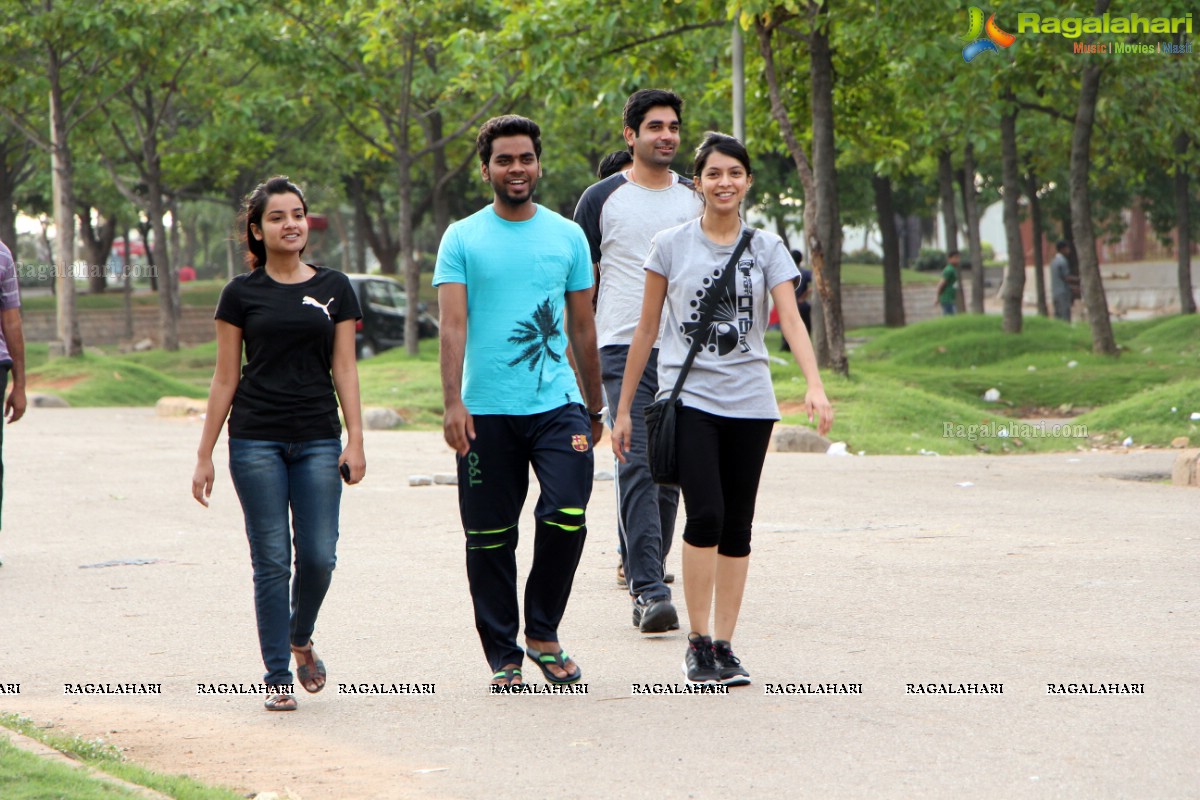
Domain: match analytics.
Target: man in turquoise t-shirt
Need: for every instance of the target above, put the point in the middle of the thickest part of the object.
(506, 276)
(947, 288)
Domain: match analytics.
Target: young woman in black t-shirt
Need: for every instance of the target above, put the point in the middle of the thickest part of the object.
(296, 322)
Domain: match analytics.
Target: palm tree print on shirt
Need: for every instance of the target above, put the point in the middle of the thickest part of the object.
(536, 334)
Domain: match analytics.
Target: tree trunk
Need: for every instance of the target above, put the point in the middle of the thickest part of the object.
(1183, 237)
(168, 287)
(1094, 299)
(441, 194)
(950, 217)
(12, 169)
(64, 219)
(144, 230)
(339, 222)
(127, 287)
(1014, 274)
(826, 247)
(974, 240)
(780, 114)
(893, 294)
(378, 235)
(97, 246)
(412, 273)
(1035, 213)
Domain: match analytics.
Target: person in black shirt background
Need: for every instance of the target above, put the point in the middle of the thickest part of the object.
(296, 322)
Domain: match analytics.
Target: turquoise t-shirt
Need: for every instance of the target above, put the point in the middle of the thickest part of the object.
(517, 275)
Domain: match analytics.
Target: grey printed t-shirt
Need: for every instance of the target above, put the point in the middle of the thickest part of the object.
(731, 375)
(619, 218)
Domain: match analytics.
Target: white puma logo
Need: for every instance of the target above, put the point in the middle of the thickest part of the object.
(308, 301)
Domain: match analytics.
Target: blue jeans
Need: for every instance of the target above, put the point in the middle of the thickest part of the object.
(947, 309)
(272, 478)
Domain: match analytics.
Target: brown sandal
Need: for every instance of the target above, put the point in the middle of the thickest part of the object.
(309, 669)
(280, 702)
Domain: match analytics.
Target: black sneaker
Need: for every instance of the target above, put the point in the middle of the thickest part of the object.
(729, 668)
(698, 663)
(655, 616)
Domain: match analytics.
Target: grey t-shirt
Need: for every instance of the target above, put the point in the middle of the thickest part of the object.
(1060, 268)
(731, 375)
(620, 218)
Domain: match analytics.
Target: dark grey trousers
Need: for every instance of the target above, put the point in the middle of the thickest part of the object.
(645, 511)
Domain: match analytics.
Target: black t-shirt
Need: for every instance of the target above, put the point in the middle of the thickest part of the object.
(286, 392)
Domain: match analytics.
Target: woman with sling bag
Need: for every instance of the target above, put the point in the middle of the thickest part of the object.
(728, 407)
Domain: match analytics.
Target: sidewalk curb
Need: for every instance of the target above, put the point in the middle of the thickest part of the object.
(35, 747)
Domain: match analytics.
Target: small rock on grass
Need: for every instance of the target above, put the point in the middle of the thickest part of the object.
(47, 401)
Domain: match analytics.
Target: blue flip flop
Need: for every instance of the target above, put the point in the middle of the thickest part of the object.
(559, 659)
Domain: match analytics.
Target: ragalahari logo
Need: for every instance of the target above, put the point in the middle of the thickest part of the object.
(977, 44)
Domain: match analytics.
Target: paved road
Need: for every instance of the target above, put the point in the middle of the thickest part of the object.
(879, 571)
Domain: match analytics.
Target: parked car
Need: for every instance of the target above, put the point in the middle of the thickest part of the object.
(384, 310)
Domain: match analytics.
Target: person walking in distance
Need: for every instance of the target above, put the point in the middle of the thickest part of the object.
(12, 350)
(505, 276)
(620, 215)
(295, 323)
(1063, 285)
(714, 275)
(946, 292)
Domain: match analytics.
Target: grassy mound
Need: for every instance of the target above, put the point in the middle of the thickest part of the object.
(1152, 416)
(96, 380)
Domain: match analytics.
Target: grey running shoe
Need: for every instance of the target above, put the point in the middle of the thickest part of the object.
(729, 668)
(655, 616)
(699, 665)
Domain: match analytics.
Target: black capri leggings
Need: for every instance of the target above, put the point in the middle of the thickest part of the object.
(720, 462)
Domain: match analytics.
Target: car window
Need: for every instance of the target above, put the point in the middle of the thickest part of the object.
(379, 294)
(399, 298)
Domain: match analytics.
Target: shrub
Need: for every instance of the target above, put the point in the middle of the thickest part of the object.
(863, 256)
(930, 260)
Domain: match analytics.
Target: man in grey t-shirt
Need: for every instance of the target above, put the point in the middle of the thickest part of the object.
(620, 215)
(1062, 282)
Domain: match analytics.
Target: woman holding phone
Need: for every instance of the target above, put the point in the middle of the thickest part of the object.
(728, 402)
(296, 324)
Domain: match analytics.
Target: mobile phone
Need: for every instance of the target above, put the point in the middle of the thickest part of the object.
(345, 470)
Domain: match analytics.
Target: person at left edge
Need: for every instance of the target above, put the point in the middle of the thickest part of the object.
(12, 349)
(506, 276)
(296, 323)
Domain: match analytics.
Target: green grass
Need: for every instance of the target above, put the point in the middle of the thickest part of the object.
(203, 294)
(906, 384)
(872, 275)
(410, 385)
(102, 380)
(24, 776)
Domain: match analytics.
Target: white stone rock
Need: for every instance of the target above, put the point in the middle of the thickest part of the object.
(603, 475)
(799, 439)
(377, 418)
(47, 401)
(445, 479)
(143, 345)
(992, 395)
(837, 449)
(420, 480)
(179, 407)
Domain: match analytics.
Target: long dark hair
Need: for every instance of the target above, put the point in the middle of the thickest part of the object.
(252, 213)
